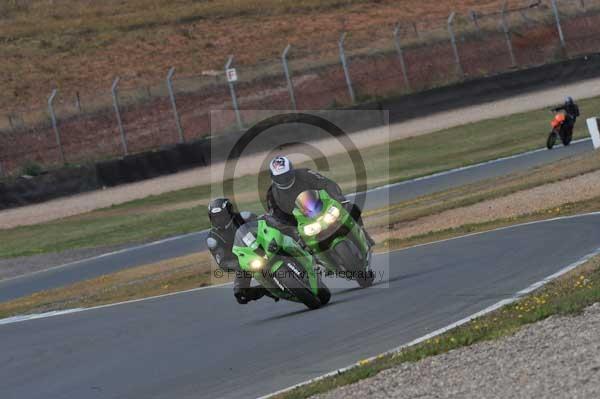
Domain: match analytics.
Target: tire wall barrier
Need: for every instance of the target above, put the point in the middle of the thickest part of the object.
(68, 181)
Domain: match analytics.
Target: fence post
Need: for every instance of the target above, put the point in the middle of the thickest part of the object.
(507, 34)
(582, 3)
(288, 77)
(174, 104)
(401, 55)
(238, 117)
(345, 66)
(115, 97)
(558, 26)
(78, 101)
(454, 46)
(475, 18)
(54, 124)
(416, 29)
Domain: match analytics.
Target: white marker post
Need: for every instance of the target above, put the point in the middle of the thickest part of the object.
(592, 124)
(232, 77)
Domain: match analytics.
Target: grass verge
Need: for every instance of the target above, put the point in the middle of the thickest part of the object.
(470, 194)
(165, 277)
(568, 209)
(183, 211)
(568, 295)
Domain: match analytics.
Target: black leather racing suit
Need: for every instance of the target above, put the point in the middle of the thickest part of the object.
(220, 244)
(281, 202)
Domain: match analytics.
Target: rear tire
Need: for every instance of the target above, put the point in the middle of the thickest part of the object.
(566, 140)
(324, 293)
(298, 286)
(551, 140)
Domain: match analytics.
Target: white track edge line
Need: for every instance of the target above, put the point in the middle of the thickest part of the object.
(387, 186)
(447, 328)
(19, 319)
(16, 319)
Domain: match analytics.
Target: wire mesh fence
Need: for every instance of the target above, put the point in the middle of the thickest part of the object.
(350, 66)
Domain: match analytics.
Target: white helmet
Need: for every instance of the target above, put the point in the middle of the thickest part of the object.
(282, 172)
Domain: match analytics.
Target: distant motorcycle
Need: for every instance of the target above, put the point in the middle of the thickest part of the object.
(560, 128)
(279, 264)
(333, 236)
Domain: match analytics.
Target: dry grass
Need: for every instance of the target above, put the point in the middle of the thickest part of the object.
(411, 212)
(164, 277)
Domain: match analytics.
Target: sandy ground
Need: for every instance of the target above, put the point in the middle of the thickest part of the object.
(556, 358)
(86, 202)
(579, 188)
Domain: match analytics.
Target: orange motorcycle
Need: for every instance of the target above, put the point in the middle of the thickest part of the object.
(560, 128)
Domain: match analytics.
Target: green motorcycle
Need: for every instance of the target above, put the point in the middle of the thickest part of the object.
(333, 236)
(279, 264)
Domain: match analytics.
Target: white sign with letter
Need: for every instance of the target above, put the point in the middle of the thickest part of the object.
(232, 75)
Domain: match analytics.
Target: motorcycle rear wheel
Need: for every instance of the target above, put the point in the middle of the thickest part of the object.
(324, 293)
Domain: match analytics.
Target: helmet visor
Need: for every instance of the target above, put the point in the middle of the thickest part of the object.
(220, 217)
(309, 203)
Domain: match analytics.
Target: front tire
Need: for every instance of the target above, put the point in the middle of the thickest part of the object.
(298, 286)
(366, 279)
(551, 140)
(349, 256)
(353, 261)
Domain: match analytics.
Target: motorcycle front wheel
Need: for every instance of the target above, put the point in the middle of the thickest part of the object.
(354, 262)
(298, 286)
(551, 140)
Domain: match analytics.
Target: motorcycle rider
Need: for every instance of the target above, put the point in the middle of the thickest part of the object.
(571, 111)
(288, 183)
(225, 221)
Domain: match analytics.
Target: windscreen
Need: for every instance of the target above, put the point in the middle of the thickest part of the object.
(246, 234)
(309, 203)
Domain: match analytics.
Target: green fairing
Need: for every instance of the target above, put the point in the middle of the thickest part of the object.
(356, 233)
(264, 235)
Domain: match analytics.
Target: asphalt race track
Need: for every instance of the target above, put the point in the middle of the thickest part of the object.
(184, 245)
(203, 344)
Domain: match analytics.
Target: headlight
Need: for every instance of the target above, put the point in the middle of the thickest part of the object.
(257, 264)
(312, 229)
(332, 215)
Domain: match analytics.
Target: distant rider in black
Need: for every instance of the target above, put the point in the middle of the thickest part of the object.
(572, 112)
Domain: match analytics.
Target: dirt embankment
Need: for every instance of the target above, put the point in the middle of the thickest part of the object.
(319, 80)
(82, 46)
